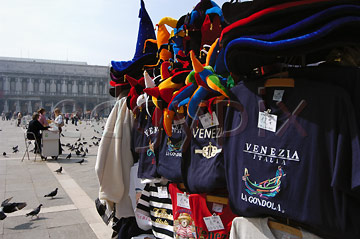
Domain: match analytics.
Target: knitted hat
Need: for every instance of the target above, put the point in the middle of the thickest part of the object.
(142, 56)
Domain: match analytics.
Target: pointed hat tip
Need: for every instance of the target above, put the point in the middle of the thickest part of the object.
(197, 66)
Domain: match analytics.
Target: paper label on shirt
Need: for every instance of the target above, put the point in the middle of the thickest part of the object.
(162, 192)
(217, 207)
(183, 200)
(267, 121)
(179, 121)
(208, 120)
(213, 223)
(278, 95)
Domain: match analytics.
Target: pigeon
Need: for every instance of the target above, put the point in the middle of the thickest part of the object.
(83, 155)
(90, 145)
(75, 144)
(6, 201)
(4, 154)
(52, 194)
(81, 161)
(13, 207)
(81, 149)
(77, 129)
(83, 138)
(15, 147)
(78, 152)
(86, 150)
(59, 170)
(84, 142)
(63, 145)
(34, 212)
(68, 144)
(68, 156)
(62, 135)
(15, 151)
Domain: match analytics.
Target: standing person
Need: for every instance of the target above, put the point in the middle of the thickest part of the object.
(33, 131)
(3, 116)
(72, 118)
(67, 118)
(59, 122)
(76, 118)
(42, 117)
(19, 117)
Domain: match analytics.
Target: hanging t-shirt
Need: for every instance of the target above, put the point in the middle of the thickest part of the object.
(294, 153)
(155, 202)
(203, 161)
(146, 140)
(170, 155)
(257, 228)
(184, 226)
(201, 212)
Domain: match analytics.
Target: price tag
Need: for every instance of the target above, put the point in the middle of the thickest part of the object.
(162, 192)
(179, 121)
(213, 223)
(217, 207)
(207, 121)
(267, 121)
(278, 95)
(183, 200)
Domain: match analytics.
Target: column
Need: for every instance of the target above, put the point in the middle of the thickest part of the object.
(106, 89)
(18, 86)
(17, 107)
(63, 87)
(52, 87)
(52, 106)
(85, 88)
(74, 108)
(30, 86)
(84, 107)
(6, 84)
(6, 106)
(96, 90)
(75, 88)
(29, 108)
(42, 86)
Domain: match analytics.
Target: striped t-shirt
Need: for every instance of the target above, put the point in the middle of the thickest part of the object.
(155, 201)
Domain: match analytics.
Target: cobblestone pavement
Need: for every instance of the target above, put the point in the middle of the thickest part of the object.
(72, 213)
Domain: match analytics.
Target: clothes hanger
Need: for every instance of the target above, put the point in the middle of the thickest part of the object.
(285, 228)
(281, 79)
(217, 199)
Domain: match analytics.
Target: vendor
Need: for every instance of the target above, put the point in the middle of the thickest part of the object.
(33, 131)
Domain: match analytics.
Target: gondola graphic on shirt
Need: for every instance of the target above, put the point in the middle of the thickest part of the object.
(173, 147)
(150, 151)
(264, 189)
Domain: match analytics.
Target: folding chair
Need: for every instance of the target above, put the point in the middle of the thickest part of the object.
(27, 145)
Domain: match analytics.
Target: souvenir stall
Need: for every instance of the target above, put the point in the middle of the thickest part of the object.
(240, 122)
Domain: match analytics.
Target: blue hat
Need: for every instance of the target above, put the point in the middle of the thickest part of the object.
(142, 56)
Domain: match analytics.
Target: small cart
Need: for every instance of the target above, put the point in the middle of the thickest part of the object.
(50, 143)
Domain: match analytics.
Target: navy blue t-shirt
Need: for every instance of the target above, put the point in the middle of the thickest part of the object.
(308, 170)
(170, 155)
(145, 143)
(203, 161)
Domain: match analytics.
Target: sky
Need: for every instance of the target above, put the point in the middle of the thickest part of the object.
(92, 31)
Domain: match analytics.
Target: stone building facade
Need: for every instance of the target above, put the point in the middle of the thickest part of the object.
(27, 84)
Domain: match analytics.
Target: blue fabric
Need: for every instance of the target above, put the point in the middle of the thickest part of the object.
(199, 95)
(343, 10)
(146, 31)
(308, 170)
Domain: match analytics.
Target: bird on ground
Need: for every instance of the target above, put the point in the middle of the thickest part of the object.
(90, 145)
(4, 153)
(15, 151)
(62, 135)
(84, 142)
(83, 138)
(77, 129)
(81, 161)
(83, 155)
(81, 149)
(75, 143)
(68, 156)
(86, 150)
(63, 145)
(78, 152)
(7, 207)
(52, 194)
(79, 139)
(15, 147)
(68, 144)
(34, 212)
(59, 170)
(6, 201)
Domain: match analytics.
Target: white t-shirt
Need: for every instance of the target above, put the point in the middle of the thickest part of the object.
(58, 120)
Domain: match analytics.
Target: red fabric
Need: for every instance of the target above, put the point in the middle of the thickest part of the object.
(266, 11)
(210, 30)
(180, 211)
(200, 210)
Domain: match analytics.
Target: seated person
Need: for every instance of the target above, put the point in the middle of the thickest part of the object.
(33, 131)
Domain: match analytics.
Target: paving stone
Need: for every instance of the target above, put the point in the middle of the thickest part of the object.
(24, 224)
(65, 218)
(72, 232)
(38, 234)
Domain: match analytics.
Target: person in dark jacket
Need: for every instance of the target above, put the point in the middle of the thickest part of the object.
(33, 132)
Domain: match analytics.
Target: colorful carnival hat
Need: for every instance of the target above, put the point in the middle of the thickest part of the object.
(244, 54)
(143, 56)
(277, 17)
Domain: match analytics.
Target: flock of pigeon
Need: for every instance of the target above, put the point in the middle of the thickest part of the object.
(80, 148)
